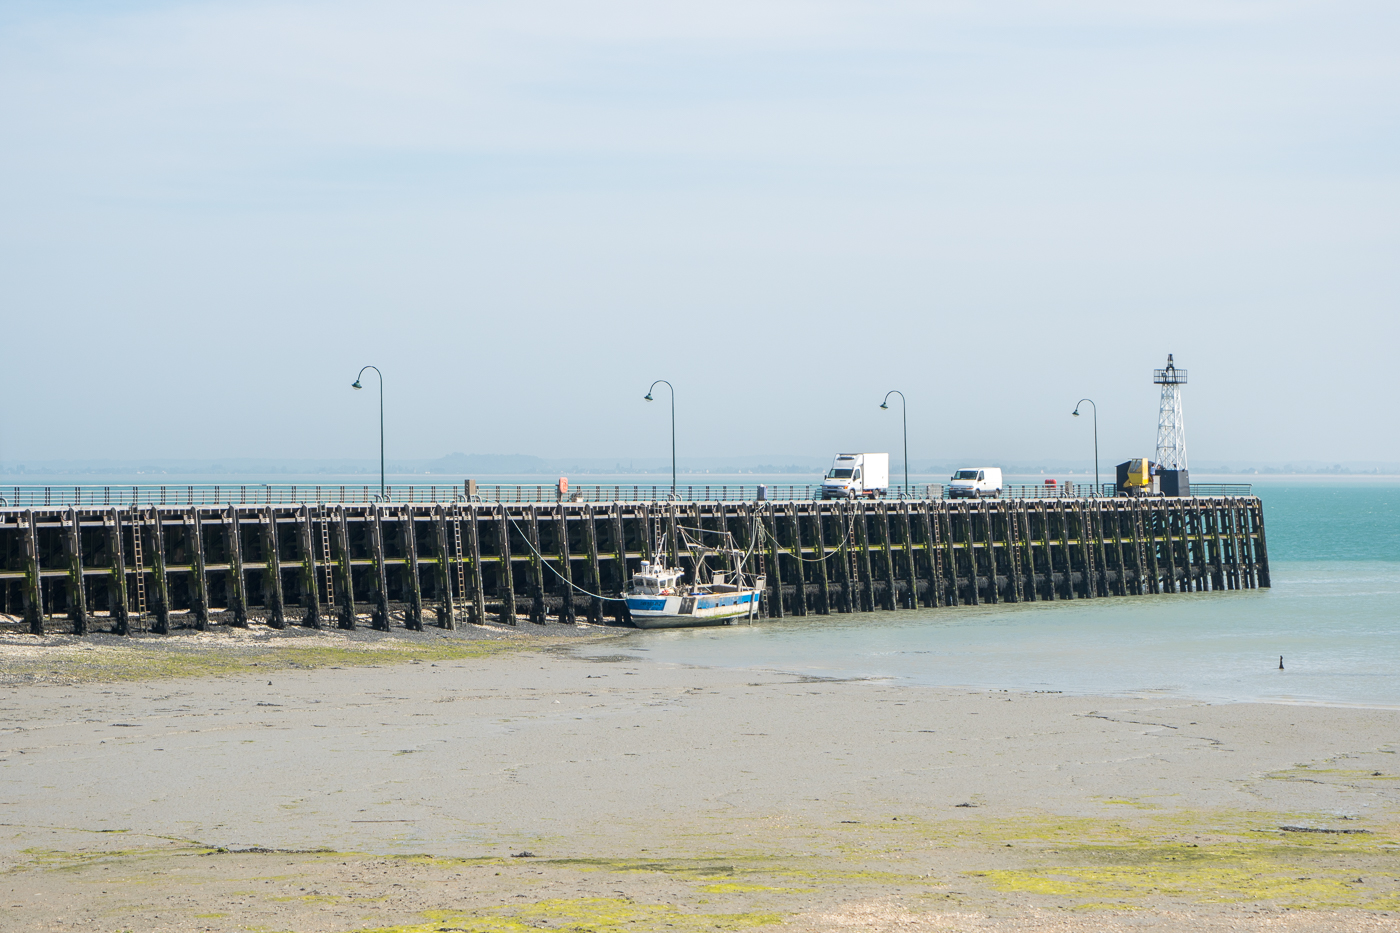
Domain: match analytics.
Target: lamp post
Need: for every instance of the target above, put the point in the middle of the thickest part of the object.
(1097, 490)
(356, 385)
(904, 412)
(673, 428)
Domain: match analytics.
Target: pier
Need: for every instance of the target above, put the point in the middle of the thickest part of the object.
(140, 567)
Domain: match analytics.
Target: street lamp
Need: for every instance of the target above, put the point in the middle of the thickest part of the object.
(1097, 490)
(673, 428)
(904, 411)
(356, 385)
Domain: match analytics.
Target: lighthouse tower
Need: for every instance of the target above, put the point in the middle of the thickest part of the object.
(1171, 430)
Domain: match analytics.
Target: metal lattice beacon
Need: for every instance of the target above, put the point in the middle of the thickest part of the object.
(1171, 431)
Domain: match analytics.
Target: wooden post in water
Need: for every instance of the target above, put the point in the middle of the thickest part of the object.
(238, 595)
(1122, 554)
(1256, 515)
(799, 596)
(943, 527)
(1030, 589)
(413, 615)
(911, 576)
(932, 553)
(1047, 550)
(891, 584)
(1153, 509)
(823, 571)
(311, 587)
(993, 590)
(1217, 580)
(974, 598)
(116, 545)
(506, 584)
(1104, 589)
(272, 587)
(199, 578)
(77, 591)
(1086, 548)
(1063, 514)
(775, 570)
(845, 578)
(866, 573)
(1169, 544)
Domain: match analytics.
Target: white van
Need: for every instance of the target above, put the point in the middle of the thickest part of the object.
(975, 483)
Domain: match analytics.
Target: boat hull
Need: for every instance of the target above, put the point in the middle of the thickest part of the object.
(686, 611)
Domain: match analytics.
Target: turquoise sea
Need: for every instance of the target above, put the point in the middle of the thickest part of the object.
(1333, 613)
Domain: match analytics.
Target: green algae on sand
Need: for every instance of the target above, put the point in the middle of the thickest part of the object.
(594, 914)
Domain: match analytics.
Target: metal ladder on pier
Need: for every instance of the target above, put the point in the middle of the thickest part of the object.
(461, 564)
(139, 559)
(326, 555)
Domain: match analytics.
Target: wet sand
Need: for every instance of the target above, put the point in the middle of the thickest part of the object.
(530, 788)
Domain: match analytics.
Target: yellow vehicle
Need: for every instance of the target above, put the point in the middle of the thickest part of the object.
(1138, 478)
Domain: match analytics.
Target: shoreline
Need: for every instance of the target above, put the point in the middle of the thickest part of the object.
(656, 796)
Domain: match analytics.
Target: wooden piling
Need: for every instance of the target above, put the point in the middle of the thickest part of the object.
(1217, 548)
(943, 527)
(345, 579)
(1030, 590)
(595, 573)
(867, 576)
(442, 570)
(272, 587)
(413, 614)
(311, 587)
(116, 546)
(887, 552)
(1261, 550)
(238, 596)
(506, 583)
(199, 579)
(33, 590)
(911, 574)
(77, 590)
(474, 577)
(1152, 510)
(379, 618)
(1169, 545)
(844, 558)
(620, 550)
(160, 577)
(566, 607)
(823, 570)
(532, 535)
(990, 552)
(974, 598)
(775, 570)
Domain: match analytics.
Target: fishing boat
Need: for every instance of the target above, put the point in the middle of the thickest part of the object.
(659, 596)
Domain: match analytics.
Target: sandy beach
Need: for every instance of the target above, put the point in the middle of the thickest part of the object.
(493, 782)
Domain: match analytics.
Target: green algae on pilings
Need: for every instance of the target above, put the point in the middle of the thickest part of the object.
(591, 914)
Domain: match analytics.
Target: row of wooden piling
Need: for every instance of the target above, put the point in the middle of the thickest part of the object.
(154, 568)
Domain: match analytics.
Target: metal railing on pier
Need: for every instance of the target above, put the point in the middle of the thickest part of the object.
(288, 494)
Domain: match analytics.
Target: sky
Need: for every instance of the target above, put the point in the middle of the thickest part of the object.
(213, 214)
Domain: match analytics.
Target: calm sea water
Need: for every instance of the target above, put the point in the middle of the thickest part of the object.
(1333, 614)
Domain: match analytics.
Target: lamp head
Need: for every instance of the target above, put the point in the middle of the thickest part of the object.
(356, 385)
(648, 397)
(1075, 413)
(884, 406)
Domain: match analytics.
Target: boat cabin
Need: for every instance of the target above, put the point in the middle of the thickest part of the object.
(654, 579)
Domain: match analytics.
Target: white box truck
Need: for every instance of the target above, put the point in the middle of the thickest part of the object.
(975, 483)
(857, 475)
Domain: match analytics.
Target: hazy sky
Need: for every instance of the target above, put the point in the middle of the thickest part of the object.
(212, 214)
